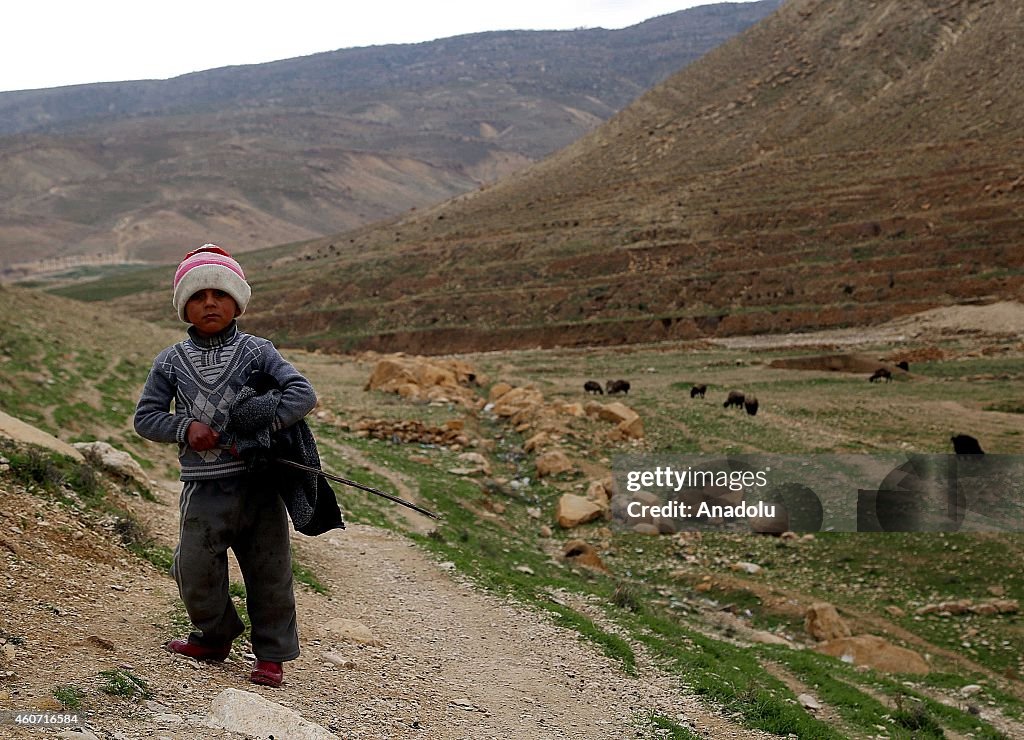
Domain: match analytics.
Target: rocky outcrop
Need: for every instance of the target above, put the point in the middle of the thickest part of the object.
(426, 379)
(16, 429)
(875, 652)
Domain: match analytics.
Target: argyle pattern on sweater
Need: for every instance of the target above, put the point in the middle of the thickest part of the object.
(201, 376)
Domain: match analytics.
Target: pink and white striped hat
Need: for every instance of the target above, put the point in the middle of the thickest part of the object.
(209, 267)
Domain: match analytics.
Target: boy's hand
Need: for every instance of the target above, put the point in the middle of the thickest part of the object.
(201, 436)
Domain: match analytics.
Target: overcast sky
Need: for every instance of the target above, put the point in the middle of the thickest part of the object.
(50, 43)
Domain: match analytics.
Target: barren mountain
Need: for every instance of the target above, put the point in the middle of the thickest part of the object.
(271, 153)
(836, 164)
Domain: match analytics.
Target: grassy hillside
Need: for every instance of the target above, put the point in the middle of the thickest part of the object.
(682, 601)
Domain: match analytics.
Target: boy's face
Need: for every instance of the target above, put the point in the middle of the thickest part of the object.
(210, 311)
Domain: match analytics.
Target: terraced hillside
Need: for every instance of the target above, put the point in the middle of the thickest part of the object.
(837, 164)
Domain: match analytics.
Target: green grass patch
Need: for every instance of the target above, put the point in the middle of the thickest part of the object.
(161, 556)
(69, 696)
(304, 575)
(123, 683)
(1010, 406)
(658, 727)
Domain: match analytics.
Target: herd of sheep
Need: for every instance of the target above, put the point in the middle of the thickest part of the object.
(962, 443)
(735, 398)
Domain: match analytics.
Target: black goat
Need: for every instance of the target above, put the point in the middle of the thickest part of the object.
(881, 374)
(965, 444)
(735, 398)
(698, 391)
(617, 386)
(750, 404)
(592, 386)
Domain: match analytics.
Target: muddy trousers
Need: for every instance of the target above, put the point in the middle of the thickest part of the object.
(236, 513)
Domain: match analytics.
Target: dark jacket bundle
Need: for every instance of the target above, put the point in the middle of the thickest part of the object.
(309, 498)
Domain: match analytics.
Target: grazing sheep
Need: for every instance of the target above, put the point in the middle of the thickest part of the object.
(617, 386)
(592, 386)
(881, 374)
(965, 444)
(698, 391)
(750, 404)
(903, 365)
(735, 398)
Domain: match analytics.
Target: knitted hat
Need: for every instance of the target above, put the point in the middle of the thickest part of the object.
(209, 267)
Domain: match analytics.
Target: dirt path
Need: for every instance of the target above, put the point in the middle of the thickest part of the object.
(450, 661)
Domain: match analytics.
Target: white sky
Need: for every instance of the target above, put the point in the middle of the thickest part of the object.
(50, 43)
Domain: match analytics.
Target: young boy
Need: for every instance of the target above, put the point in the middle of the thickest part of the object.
(222, 506)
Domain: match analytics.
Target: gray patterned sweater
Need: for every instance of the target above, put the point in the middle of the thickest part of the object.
(201, 377)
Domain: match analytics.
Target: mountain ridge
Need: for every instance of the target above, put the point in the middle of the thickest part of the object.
(266, 154)
(766, 187)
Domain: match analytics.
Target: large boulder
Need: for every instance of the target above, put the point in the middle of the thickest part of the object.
(553, 462)
(583, 553)
(251, 715)
(628, 424)
(112, 460)
(517, 402)
(875, 652)
(822, 622)
(574, 510)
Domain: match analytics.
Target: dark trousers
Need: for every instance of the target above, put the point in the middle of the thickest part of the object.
(236, 513)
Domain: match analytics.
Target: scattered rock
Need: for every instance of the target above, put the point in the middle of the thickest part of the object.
(599, 492)
(476, 462)
(961, 607)
(537, 442)
(767, 638)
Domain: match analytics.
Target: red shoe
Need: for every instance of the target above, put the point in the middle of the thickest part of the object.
(197, 651)
(267, 673)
